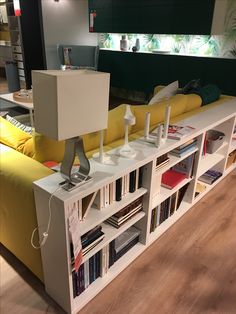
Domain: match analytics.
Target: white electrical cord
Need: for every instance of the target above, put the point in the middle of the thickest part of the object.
(45, 233)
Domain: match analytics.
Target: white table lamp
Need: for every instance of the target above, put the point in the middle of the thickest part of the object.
(68, 104)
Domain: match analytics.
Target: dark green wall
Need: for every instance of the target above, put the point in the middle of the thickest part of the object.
(142, 71)
(153, 16)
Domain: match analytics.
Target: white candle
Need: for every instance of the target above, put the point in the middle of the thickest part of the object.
(159, 135)
(147, 125)
(167, 121)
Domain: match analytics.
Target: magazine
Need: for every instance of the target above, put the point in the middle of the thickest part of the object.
(177, 132)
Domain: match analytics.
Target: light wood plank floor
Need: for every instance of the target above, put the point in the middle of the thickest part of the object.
(190, 269)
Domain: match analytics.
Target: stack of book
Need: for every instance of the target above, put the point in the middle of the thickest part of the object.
(119, 218)
(167, 208)
(210, 176)
(87, 274)
(162, 161)
(90, 239)
(122, 244)
(185, 148)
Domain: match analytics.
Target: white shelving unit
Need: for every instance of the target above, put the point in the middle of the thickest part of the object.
(56, 254)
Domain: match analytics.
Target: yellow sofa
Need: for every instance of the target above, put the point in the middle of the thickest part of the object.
(23, 155)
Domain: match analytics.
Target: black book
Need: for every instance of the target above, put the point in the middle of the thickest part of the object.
(132, 181)
(97, 258)
(126, 248)
(92, 239)
(118, 189)
(111, 253)
(75, 283)
(91, 272)
(80, 279)
(90, 233)
(181, 194)
(140, 178)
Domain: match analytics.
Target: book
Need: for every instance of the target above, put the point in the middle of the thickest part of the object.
(185, 166)
(118, 223)
(199, 188)
(132, 181)
(99, 200)
(171, 178)
(180, 194)
(177, 132)
(118, 189)
(210, 176)
(125, 238)
(87, 202)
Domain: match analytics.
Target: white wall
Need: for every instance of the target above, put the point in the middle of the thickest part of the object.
(65, 22)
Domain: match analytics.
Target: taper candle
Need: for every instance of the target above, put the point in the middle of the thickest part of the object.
(167, 121)
(147, 125)
(159, 135)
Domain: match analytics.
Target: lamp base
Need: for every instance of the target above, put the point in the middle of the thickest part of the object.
(73, 147)
(77, 181)
(127, 151)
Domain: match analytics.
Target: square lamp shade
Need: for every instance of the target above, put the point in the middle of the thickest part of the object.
(70, 103)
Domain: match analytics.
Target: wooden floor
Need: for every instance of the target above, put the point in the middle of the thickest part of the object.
(190, 269)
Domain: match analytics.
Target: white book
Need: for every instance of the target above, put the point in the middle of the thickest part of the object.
(87, 203)
(114, 191)
(106, 191)
(128, 176)
(107, 259)
(103, 261)
(122, 186)
(98, 201)
(158, 215)
(79, 208)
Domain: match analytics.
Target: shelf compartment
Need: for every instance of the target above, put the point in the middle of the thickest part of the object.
(232, 146)
(160, 229)
(209, 161)
(111, 233)
(102, 282)
(165, 193)
(96, 216)
(174, 160)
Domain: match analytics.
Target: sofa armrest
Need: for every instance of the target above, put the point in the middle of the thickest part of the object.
(18, 213)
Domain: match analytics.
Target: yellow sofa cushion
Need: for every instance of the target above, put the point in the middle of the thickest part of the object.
(193, 102)
(115, 129)
(46, 149)
(17, 214)
(12, 136)
(178, 106)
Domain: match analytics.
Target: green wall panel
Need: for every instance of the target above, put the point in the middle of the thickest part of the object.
(142, 71)
(153, 16)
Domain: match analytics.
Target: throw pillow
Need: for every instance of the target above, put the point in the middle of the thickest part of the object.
(209, 93)
(165, 92)
(23, 127)
(191, 87)
(12, 136)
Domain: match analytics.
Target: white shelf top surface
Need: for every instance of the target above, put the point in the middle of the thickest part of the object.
(146, 152)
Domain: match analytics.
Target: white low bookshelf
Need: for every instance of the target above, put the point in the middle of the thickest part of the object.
(56, 253)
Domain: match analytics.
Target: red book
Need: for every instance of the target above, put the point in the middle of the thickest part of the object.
(171, 178)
